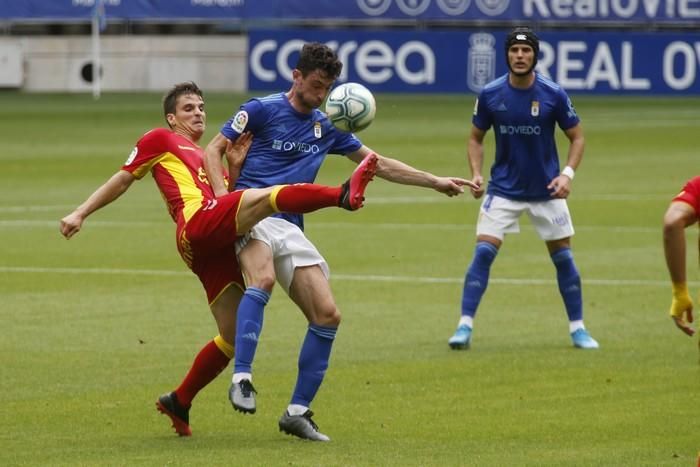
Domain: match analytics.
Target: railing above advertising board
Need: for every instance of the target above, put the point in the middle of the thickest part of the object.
(628, 12)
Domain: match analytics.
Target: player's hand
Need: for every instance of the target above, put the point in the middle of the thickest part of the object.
(70, 225)
(237, 151)
(451, 186)
(477, 186)
(682, 312)
(463, 182)
(560, 186)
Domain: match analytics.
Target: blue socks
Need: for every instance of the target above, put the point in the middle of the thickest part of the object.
(477, 277)
(569, 283)
(313, 357)
(248, 326)
(313, 362)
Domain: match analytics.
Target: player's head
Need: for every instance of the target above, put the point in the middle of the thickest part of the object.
(183, 107)
(522, 47)
(316, 70)
(315, 56)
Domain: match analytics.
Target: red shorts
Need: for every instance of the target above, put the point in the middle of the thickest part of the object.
(691, 194)
(207, 244)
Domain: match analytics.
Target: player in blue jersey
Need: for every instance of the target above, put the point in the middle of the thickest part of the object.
(523, 108)
(291, 140)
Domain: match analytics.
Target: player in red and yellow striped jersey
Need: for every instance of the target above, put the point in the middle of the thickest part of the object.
(683, 212)
(207, 227)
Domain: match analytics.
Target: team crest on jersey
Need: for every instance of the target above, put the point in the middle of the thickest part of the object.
(535, 109)
(240, 120)
(317, 130)
(132, 156)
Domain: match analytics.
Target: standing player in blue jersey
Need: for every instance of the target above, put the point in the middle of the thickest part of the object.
(291, 140)
(523, 108)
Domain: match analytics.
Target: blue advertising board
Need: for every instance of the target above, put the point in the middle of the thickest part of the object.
(639, 11)
(463, 61)
(685, 12)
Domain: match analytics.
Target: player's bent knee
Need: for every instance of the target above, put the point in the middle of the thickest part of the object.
(328, 316)
(265, 282)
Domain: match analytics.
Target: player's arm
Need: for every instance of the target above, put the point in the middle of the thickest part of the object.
(235, 153)
(475, 157)
(111, 190)
(679, 215)
(398, 172)
(561, 184)
(213, 154)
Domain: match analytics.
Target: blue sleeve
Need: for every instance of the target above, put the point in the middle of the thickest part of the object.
(250, 117)
(345, 143)
(482, 117)
(565, 113)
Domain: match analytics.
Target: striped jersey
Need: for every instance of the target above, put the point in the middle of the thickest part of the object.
(523, 122)
(288, 146)
(177, 165)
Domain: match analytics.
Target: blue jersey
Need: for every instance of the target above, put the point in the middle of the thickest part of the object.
(523, 122)
(288, 146)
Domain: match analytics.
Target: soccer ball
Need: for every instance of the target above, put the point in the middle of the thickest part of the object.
(351, 107)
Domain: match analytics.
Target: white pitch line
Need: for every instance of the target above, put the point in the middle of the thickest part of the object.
(604, 197)
(55, 223)
(343, 277)
(506, 281)
(102, 271)
(435, 199)
(33, 208)
(467, 227)
(613, 125)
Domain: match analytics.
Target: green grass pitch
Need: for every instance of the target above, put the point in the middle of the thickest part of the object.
(95, 328)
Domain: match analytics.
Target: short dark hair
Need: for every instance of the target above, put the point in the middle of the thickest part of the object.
(180, 89)
(317, 56)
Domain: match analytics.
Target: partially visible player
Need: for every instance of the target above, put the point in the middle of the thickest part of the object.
(683, 212)
(523, 108)
(206, 226)
(292, 139)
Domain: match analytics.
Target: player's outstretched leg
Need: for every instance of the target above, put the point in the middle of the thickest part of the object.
(301, 198)
(169, 405)
(353, 193)
(301, 426)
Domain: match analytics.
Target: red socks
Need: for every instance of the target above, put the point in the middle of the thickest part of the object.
(304, 197)
(209, 362)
